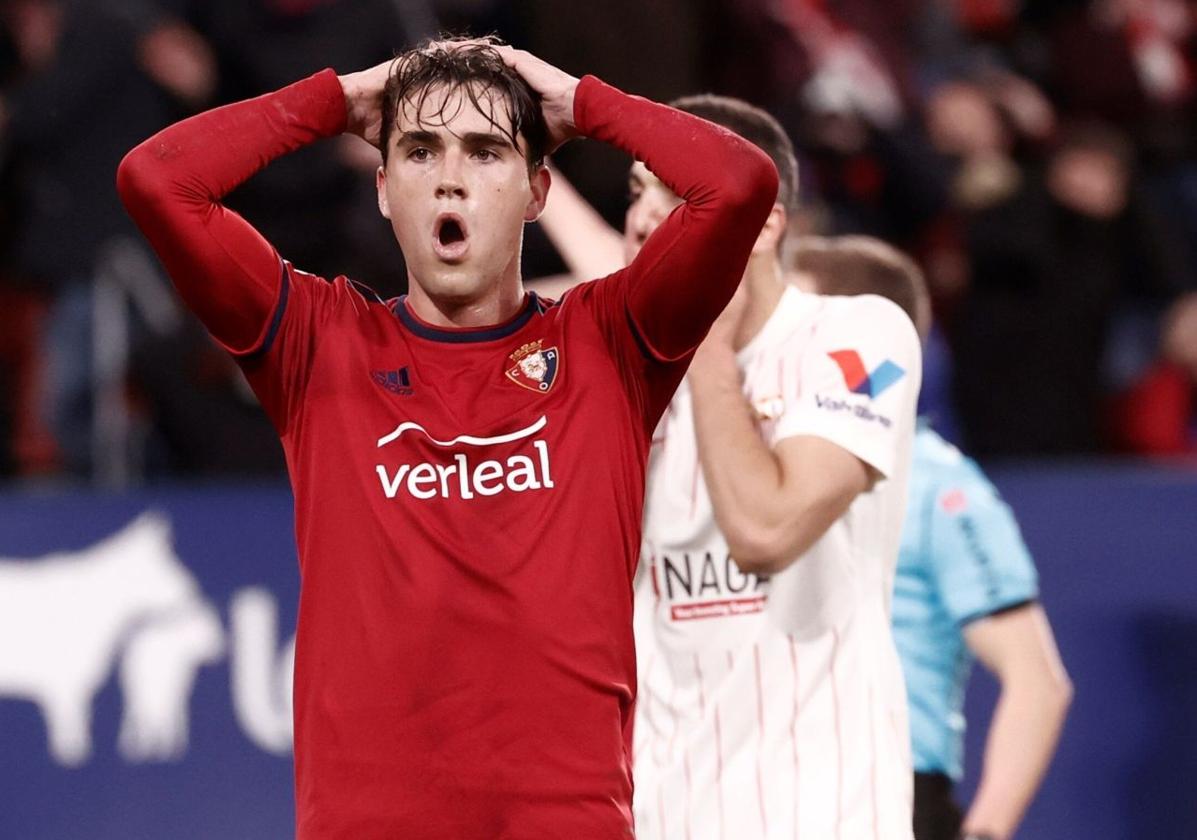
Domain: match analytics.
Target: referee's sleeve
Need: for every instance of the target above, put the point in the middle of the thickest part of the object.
(981, 563)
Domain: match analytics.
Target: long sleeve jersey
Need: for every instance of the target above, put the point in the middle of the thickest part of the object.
(468, 501)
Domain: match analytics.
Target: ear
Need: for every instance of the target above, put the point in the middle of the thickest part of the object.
(380, 184)
(771, 235)
(540, 182)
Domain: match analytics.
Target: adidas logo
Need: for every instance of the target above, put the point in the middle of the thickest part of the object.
(395, 381)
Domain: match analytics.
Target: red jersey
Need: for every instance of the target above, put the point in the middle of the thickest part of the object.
(468, 501)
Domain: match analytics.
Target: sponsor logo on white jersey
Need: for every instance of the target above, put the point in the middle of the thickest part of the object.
(705, 586)
(859, 410)
(465, 476)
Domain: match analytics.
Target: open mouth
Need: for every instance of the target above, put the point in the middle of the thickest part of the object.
(450, 232)
(450, 237)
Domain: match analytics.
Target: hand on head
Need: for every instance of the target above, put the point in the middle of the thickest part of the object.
(556, 89)
(364, 90)
(363, 101)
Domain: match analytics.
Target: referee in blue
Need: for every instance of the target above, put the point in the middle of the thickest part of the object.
(966, 589)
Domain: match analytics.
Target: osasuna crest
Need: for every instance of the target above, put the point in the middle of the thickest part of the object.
(535, 367)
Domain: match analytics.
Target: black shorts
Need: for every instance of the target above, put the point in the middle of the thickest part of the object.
(936, 816)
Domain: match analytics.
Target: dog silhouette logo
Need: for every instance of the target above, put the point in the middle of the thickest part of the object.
(68, 618)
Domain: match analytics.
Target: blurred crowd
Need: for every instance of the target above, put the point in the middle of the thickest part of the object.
(1038, 158)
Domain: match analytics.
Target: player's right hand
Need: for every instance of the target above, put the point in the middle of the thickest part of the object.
(363, 101)
(556, 89)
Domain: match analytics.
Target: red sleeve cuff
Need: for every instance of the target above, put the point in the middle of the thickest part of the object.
(592, 100)
(319, 101)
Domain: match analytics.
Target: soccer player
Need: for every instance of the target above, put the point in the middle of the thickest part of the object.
(966, 586)
(468, 462)
(771, 696)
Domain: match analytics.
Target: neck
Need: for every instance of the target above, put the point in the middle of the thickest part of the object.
(493, 305)
(764, 285)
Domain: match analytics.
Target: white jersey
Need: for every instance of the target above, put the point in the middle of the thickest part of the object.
(776, 708)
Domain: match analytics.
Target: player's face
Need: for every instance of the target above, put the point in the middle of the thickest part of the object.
(458, 194)
(650, 202)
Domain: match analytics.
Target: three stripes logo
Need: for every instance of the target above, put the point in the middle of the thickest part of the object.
(860, 381)
(395, 381)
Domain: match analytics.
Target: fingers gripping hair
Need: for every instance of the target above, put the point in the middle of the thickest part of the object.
(468, 70)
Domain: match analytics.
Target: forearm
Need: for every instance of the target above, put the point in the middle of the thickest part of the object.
(742, 475)
(191, 165)
(690, 267)
(173, 183)
(589, 246)
(1022, 738)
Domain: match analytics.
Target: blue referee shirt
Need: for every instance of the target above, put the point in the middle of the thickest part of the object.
(962, 558)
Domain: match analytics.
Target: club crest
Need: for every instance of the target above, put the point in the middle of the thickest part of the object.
(535, 367)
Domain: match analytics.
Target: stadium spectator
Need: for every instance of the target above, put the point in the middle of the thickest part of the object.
(82, 97)
(1156, 414)
(868, 94)
(1049, 268)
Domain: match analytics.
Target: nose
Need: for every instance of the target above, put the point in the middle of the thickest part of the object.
(449, 188)
(452, 184)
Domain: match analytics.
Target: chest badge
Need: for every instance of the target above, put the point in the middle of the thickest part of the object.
(535, 367)
(769, 408)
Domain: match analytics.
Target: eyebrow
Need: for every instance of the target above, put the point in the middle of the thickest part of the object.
(471, 138)
(485, 138)
(424, 138)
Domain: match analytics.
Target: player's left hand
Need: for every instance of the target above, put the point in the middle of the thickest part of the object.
(556, 89)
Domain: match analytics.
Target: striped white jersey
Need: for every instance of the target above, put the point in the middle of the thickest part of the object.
(776, 708)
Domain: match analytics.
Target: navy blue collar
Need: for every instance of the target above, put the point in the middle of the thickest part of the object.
(468, 335)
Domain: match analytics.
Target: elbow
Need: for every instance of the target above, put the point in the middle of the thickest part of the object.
(766, 181)
(759, 551)
(755, 185)
(136, 177)
(771, 539)
(1061, 692)
(1050, 692)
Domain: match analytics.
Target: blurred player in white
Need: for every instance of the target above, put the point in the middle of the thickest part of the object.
(966, 586)
(771, 698)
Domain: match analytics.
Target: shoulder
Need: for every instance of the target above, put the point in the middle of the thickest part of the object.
(935, 454)
(866, 315)
(956, 480)
(353, 293)
(871, 341)
(339, 303)
(870, 327)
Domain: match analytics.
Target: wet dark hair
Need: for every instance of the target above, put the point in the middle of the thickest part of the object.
(862, 265)
(755, 126)
(471, 70)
